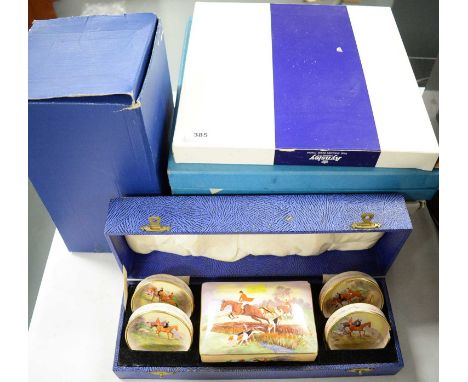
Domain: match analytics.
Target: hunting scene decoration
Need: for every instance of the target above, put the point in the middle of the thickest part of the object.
(159, 327)
(166, 289)
(358, 326)
(257, 322)
(349, 288)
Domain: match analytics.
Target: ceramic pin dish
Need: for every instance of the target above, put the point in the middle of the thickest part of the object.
(357, 327)
(165, 289)
(257, 321)
(349, 288)
(159, 327)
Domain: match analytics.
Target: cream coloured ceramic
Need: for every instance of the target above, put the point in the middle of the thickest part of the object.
(257, 321)
(159, 327)
(165, 289)
(349, 288)
(357, 327)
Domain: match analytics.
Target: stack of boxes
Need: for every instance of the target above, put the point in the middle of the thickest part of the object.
(272, 99)
(301, 100)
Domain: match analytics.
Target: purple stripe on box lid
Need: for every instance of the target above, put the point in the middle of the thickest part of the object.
(320, 94)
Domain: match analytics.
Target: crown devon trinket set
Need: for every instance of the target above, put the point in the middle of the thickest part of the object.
(257, 321)
(295, 314)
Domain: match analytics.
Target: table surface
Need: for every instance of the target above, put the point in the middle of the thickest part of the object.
(73, 329)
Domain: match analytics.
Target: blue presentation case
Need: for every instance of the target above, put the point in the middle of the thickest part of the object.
(272, 214)
(100, 108)
(201, 179)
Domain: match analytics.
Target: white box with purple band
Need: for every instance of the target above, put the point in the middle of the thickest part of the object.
(300, 84)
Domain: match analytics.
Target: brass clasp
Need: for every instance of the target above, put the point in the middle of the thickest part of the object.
(360, 370)
(155, 225)
(162, 374)
(366, 222)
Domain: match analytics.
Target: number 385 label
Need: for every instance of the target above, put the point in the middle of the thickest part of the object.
(196, 136)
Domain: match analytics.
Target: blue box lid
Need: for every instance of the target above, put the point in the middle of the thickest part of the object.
(63, 54)
(257, 214)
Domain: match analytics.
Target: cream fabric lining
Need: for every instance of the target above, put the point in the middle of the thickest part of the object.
(235, 247)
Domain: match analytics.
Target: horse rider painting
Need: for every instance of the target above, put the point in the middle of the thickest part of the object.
(244, 298)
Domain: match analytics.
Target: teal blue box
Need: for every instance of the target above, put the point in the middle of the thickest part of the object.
(201, 179)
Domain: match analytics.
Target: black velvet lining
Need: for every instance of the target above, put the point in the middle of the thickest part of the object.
(191, 358)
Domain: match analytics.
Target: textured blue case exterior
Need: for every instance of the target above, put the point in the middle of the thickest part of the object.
(272, 214)
(100, 107)
(205, 179)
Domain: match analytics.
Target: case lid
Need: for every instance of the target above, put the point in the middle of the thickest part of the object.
(89, 56)
(265, 214)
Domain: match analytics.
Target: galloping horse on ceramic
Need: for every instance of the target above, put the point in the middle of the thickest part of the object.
(247, 310)
(167, 298)
(347, 297)
(164, 327)
(356, 326)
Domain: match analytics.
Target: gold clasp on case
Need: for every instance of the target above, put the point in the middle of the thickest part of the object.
(367, 222)
(155, 225)
(162, 374)
(360, 370)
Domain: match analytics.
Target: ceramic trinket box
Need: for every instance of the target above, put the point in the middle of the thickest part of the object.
(257, 321)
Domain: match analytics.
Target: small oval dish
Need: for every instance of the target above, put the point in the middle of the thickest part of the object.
(349, 288)
(166, 289)
(357, 327)
(159, 327)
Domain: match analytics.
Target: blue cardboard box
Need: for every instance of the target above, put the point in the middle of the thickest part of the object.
(256, 214)
(100, 106)
(232, 179)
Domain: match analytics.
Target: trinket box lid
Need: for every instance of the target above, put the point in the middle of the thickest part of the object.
(365, 319)
(167, 319)
(252, 321)
(173, 286)
(364, 289)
